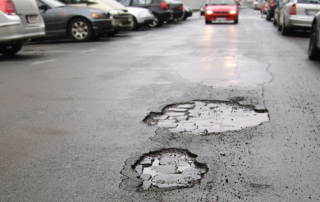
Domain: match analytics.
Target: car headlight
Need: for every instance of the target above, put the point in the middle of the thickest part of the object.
(144, 13)
(100, 15)
(113, 22)
(113, 12)
(233, 12)
(209, 12)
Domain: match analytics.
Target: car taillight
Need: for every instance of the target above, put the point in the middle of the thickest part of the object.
(180, 7)
(164, 5)
(7, 7)
(272, 4)
(293, 10)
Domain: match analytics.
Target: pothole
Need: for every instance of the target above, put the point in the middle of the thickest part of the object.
(170, 168)
(202, 117)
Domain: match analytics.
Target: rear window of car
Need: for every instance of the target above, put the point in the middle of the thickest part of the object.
(308, 1)
(222, 2)
(141, 2)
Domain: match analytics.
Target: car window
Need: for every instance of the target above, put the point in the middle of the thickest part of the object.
(141, 2)
(309, 1)
(53, 3)
(222, 2)
(125, 2)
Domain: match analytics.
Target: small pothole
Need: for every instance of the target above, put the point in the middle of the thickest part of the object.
(203, 117)
(170, 168)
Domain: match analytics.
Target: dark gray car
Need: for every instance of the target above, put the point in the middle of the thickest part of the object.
(81, 24)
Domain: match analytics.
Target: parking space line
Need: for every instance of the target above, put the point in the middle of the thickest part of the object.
(41, 62)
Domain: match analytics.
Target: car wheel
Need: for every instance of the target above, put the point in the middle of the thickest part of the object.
(156, 22)
(208, 22)
(135, 25)
(313, 51)
(182, 17)
(268, 17)
(284, 30)
(274, 22)
(278, 24)
(80, 30)
(236, 21)
(10, 50)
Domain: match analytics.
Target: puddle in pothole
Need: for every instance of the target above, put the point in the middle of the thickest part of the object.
(169, 169)
(203, 117)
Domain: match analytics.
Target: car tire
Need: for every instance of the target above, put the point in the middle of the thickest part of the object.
(274, 22)
(157, 21)
(10, 50)
(313, 51)
(285, 30)
(208, 22)
(268, 17)
(80, 30)
(236, 21)
(278, 24)
(135, 25)
(182, 17)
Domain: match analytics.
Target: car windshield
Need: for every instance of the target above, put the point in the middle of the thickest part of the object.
(222, 2)
(309, 1)
(54, 3)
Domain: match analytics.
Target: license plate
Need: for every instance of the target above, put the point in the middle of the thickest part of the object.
(32, 19)
(311, 12)
(130, 19)
(221, 19)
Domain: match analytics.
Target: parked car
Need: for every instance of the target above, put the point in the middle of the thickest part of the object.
(270, 8)
(80, 24)
(314, 44)
(187, 12)
(19, 21)
(277, 11)
(297, 14)
(176, 7)
(123, 20)
(222, 11)
(263, 6)
(255, 5)
(159, 8)
(141, 16)
(203, 7)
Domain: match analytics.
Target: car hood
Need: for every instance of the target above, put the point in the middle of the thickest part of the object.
(102, 4)
(136, 9)
(221, 7)
(77, 9)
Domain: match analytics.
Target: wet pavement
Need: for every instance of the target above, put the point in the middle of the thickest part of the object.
(72, 115)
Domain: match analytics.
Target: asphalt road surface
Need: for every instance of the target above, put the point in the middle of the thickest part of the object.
(71, 116)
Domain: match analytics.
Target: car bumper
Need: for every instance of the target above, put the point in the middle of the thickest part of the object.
(122, 22)
(227, 17)
(17, 29)
(166, 15)
(299, 21)
(188, 14)
(145, 20)
(102, 26)
(177, 14)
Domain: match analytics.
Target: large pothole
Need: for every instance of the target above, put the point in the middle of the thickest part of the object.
(169, 168)
(202, 117)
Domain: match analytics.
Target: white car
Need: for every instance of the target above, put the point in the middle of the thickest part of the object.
(314, 44)
(297, 14)
(141, 17)
(20, 20)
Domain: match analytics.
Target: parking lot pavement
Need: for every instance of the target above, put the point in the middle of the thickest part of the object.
(80, 121)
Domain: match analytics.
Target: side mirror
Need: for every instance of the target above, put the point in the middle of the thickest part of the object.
(43, 7)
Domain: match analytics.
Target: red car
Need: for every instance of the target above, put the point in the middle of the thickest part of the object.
(222, 11)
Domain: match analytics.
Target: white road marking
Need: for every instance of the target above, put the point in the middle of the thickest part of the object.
(40, 62)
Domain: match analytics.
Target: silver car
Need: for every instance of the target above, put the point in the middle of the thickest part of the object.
(297, 14)
(19, 21)
(314, 44)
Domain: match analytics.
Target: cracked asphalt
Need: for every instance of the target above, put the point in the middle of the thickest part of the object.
(72, 114)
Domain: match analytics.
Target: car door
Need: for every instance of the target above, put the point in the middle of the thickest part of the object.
(49, 18)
